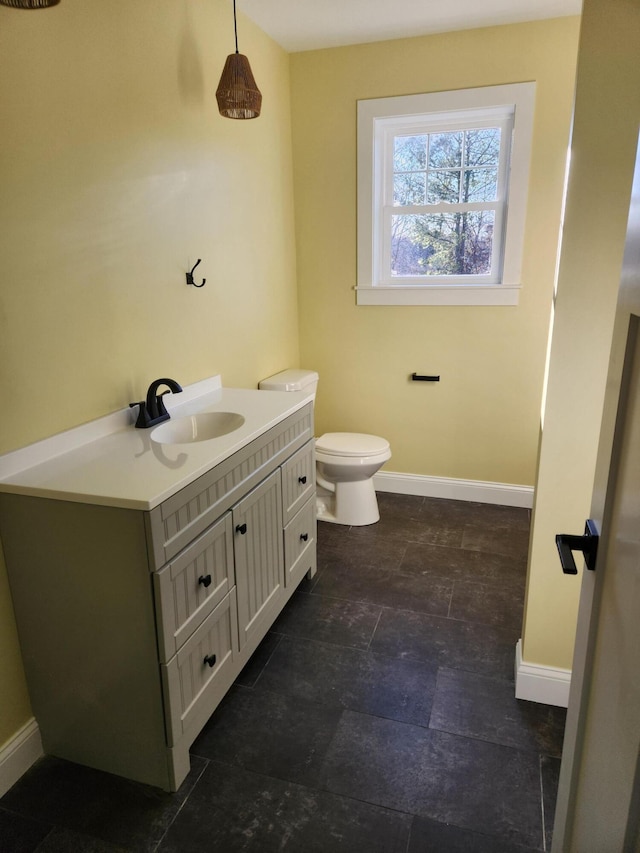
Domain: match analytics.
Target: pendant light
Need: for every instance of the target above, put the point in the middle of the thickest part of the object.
(237, 94)
(29, 4)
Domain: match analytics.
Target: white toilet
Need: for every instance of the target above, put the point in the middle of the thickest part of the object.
(345, 461)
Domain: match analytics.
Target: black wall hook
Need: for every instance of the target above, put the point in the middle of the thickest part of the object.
(190, 276)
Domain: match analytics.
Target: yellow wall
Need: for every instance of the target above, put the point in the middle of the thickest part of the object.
(605, 134)
(117, 173)
(481, 422)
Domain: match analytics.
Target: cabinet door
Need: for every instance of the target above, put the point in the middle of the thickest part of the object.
(257, 524)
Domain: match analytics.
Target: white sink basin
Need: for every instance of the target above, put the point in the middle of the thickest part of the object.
(201, 427)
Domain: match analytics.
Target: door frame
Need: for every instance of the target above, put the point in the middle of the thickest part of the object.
(626, 326)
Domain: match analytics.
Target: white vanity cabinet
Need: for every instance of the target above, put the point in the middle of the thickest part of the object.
(134, 624)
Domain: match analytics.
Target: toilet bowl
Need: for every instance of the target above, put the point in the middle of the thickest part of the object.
(345, 462)
(345, 465)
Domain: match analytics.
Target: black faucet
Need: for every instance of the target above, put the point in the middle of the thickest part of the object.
(152, 410)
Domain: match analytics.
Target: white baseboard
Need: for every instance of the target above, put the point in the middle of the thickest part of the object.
(447, 487)
(545, 684)
(17, 756)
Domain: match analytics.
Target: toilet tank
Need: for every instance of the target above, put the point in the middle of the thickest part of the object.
(291, 380)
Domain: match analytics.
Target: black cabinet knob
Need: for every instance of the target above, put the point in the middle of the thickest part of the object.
(304, 536)
(302, 480)
(210, 659)
(205, 580)
(241, 529)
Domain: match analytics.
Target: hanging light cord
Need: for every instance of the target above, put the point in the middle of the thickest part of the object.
(235, 24)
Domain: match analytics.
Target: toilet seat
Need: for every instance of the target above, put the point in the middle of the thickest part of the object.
(351, 444)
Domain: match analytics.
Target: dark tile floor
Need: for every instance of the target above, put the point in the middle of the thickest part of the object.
(377, 716)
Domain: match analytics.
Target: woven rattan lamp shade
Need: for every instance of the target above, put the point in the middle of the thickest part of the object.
(29, 4)
(237, 94)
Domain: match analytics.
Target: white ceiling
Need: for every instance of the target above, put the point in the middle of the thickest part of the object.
(311, 24)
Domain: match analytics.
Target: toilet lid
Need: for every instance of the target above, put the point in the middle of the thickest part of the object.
(351, 444)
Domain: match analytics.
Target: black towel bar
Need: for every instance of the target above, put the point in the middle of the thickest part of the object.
(418, 377)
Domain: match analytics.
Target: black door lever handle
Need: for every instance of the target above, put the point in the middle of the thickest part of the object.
(588, 544)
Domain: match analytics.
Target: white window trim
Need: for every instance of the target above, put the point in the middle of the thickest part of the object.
(378, 114)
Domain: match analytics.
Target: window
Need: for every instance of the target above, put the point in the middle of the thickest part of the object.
(442, 183)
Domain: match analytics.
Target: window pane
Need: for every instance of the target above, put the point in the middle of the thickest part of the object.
(445, 150)
(444, 187)
(480, 185)
(482, 147)
(409, 153)
(409, 188)
(442, 244)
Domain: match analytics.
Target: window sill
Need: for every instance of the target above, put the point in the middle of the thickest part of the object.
(497, 294)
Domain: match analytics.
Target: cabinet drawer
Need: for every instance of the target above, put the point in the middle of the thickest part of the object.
(198, 676)
(298, 480)
(192, 585)
(300, 543)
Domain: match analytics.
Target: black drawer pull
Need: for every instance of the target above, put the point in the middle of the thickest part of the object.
(304, 536)
(210, 659)
(205, 580)
(241, 529)
(302, 480)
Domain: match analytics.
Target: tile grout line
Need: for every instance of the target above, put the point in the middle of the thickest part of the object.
(373, 633)
(544, 831)
(266, 663)
(453, 587)
(183, 803)
(408, 847)
(498, 583)
(52, 828)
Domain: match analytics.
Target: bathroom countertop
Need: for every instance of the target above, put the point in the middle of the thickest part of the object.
(111, 463)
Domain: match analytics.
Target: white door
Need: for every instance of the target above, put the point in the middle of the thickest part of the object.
(598, 808)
